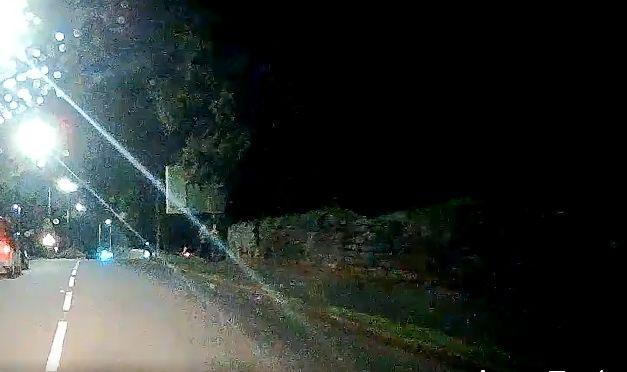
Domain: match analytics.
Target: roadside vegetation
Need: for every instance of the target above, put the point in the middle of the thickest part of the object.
(311, 310)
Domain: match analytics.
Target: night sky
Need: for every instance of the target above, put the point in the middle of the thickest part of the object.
(384, 109)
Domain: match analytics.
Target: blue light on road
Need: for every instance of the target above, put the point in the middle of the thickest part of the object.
(105, 255)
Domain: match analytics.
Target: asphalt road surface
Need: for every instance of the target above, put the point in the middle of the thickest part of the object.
(107, 317)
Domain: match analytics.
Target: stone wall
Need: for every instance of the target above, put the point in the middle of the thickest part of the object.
(243, 239)
(336, 237)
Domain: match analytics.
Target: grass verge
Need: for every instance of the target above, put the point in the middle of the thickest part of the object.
(226, 280)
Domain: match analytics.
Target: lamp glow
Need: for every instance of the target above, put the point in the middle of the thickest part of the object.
(13, 26)
(48, 240)
(36, 139)
(66, 185)
(105, 255)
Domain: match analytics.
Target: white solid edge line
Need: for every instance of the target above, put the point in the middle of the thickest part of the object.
(71, 283)
(68, 301)
(54, 358)
(73, 272)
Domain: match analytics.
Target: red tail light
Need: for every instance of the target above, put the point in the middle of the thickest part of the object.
(6, 253)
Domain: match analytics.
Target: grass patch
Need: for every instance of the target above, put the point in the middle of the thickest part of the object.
(311, 300)
(415, 338)
(233, 365)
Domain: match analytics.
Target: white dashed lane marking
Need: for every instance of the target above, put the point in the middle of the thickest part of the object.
(54, 358)
(68, 301)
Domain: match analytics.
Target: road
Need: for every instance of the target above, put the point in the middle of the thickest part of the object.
(115, 319)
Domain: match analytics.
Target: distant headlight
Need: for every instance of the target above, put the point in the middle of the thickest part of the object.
(105, 255)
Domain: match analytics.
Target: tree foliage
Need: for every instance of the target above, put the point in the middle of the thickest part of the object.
(146, 73)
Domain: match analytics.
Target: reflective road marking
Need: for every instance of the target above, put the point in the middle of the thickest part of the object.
(68, 301)
(54, 358)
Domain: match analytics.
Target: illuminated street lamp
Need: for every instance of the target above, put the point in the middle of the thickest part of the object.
(48, 240)
(36, 139)
(66, 185)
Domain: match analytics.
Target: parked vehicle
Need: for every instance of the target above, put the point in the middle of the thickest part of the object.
(11, 260)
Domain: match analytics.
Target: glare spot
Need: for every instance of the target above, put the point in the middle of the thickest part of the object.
(23, 93)
(121, 20)
(13, 27)
(13, 105)
(8, 97)
(21, 77)
(35, 53)
(44, 70)
(59, 36)
(36, 138)
(76, 32)
(48, 240)
(34, 73)
(105, 255)
(40, 100)
(124, 4)
(9, 84)
(57, 75)
(10, 65)
(62, 48)
(7, 115)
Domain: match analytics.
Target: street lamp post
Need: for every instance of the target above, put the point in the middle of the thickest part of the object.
(80, 208)
(108, 222)
(18, 211)
(67, 186)
(49, 201)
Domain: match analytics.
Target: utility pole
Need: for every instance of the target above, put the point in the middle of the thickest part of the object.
(158, 221)
(67, 220)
